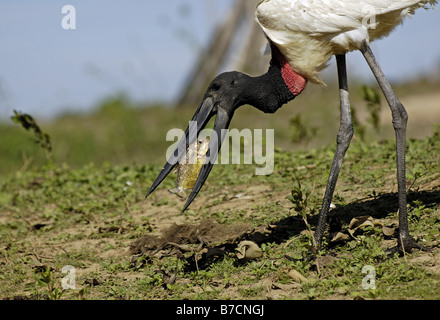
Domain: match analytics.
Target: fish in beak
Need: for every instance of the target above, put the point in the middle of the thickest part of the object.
(188, 171)
(209, 107)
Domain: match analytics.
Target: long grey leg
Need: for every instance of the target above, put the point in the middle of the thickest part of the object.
(344, 137)
(400, 119)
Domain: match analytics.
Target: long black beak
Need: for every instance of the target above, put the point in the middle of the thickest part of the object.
(203, 114)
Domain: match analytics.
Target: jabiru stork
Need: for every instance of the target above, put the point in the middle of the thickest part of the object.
(303, 36)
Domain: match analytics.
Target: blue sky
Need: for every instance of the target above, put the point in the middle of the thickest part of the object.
(146, 49)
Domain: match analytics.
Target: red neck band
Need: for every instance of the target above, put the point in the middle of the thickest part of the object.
(295, 82)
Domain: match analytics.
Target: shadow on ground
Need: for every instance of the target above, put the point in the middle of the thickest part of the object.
(201, 245)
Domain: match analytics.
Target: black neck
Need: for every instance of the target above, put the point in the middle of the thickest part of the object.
(268, 92)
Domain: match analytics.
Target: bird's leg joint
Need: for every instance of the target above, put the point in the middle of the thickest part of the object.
(345, 135)
(400, 116)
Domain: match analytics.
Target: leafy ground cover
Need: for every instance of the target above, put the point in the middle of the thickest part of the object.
(95, 219)
(74, 223)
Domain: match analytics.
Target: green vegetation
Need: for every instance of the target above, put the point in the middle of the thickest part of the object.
(85, 208)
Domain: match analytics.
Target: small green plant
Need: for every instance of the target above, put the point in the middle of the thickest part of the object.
(300, 131)
(358, 127)
(372, 98)
(299, 199)
(44, 278)
(29, 123)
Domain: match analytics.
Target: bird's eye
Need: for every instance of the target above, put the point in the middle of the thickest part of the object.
(215, 86)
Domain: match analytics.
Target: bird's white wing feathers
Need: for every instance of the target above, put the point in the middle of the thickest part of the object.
(309, 32)
(330, 16)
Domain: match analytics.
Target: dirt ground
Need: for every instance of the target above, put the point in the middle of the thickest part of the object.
(201, 240)
(173, 230)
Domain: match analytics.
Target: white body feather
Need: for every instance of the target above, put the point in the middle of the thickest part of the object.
(309, 32)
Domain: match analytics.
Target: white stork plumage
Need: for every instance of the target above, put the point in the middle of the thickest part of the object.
(303, 36)
(310, 32)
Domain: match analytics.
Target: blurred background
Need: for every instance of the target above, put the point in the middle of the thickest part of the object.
(109, 90)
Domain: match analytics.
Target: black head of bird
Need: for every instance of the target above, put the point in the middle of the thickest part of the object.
(226, 93)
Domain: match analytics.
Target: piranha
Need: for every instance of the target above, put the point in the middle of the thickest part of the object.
(188, 172)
